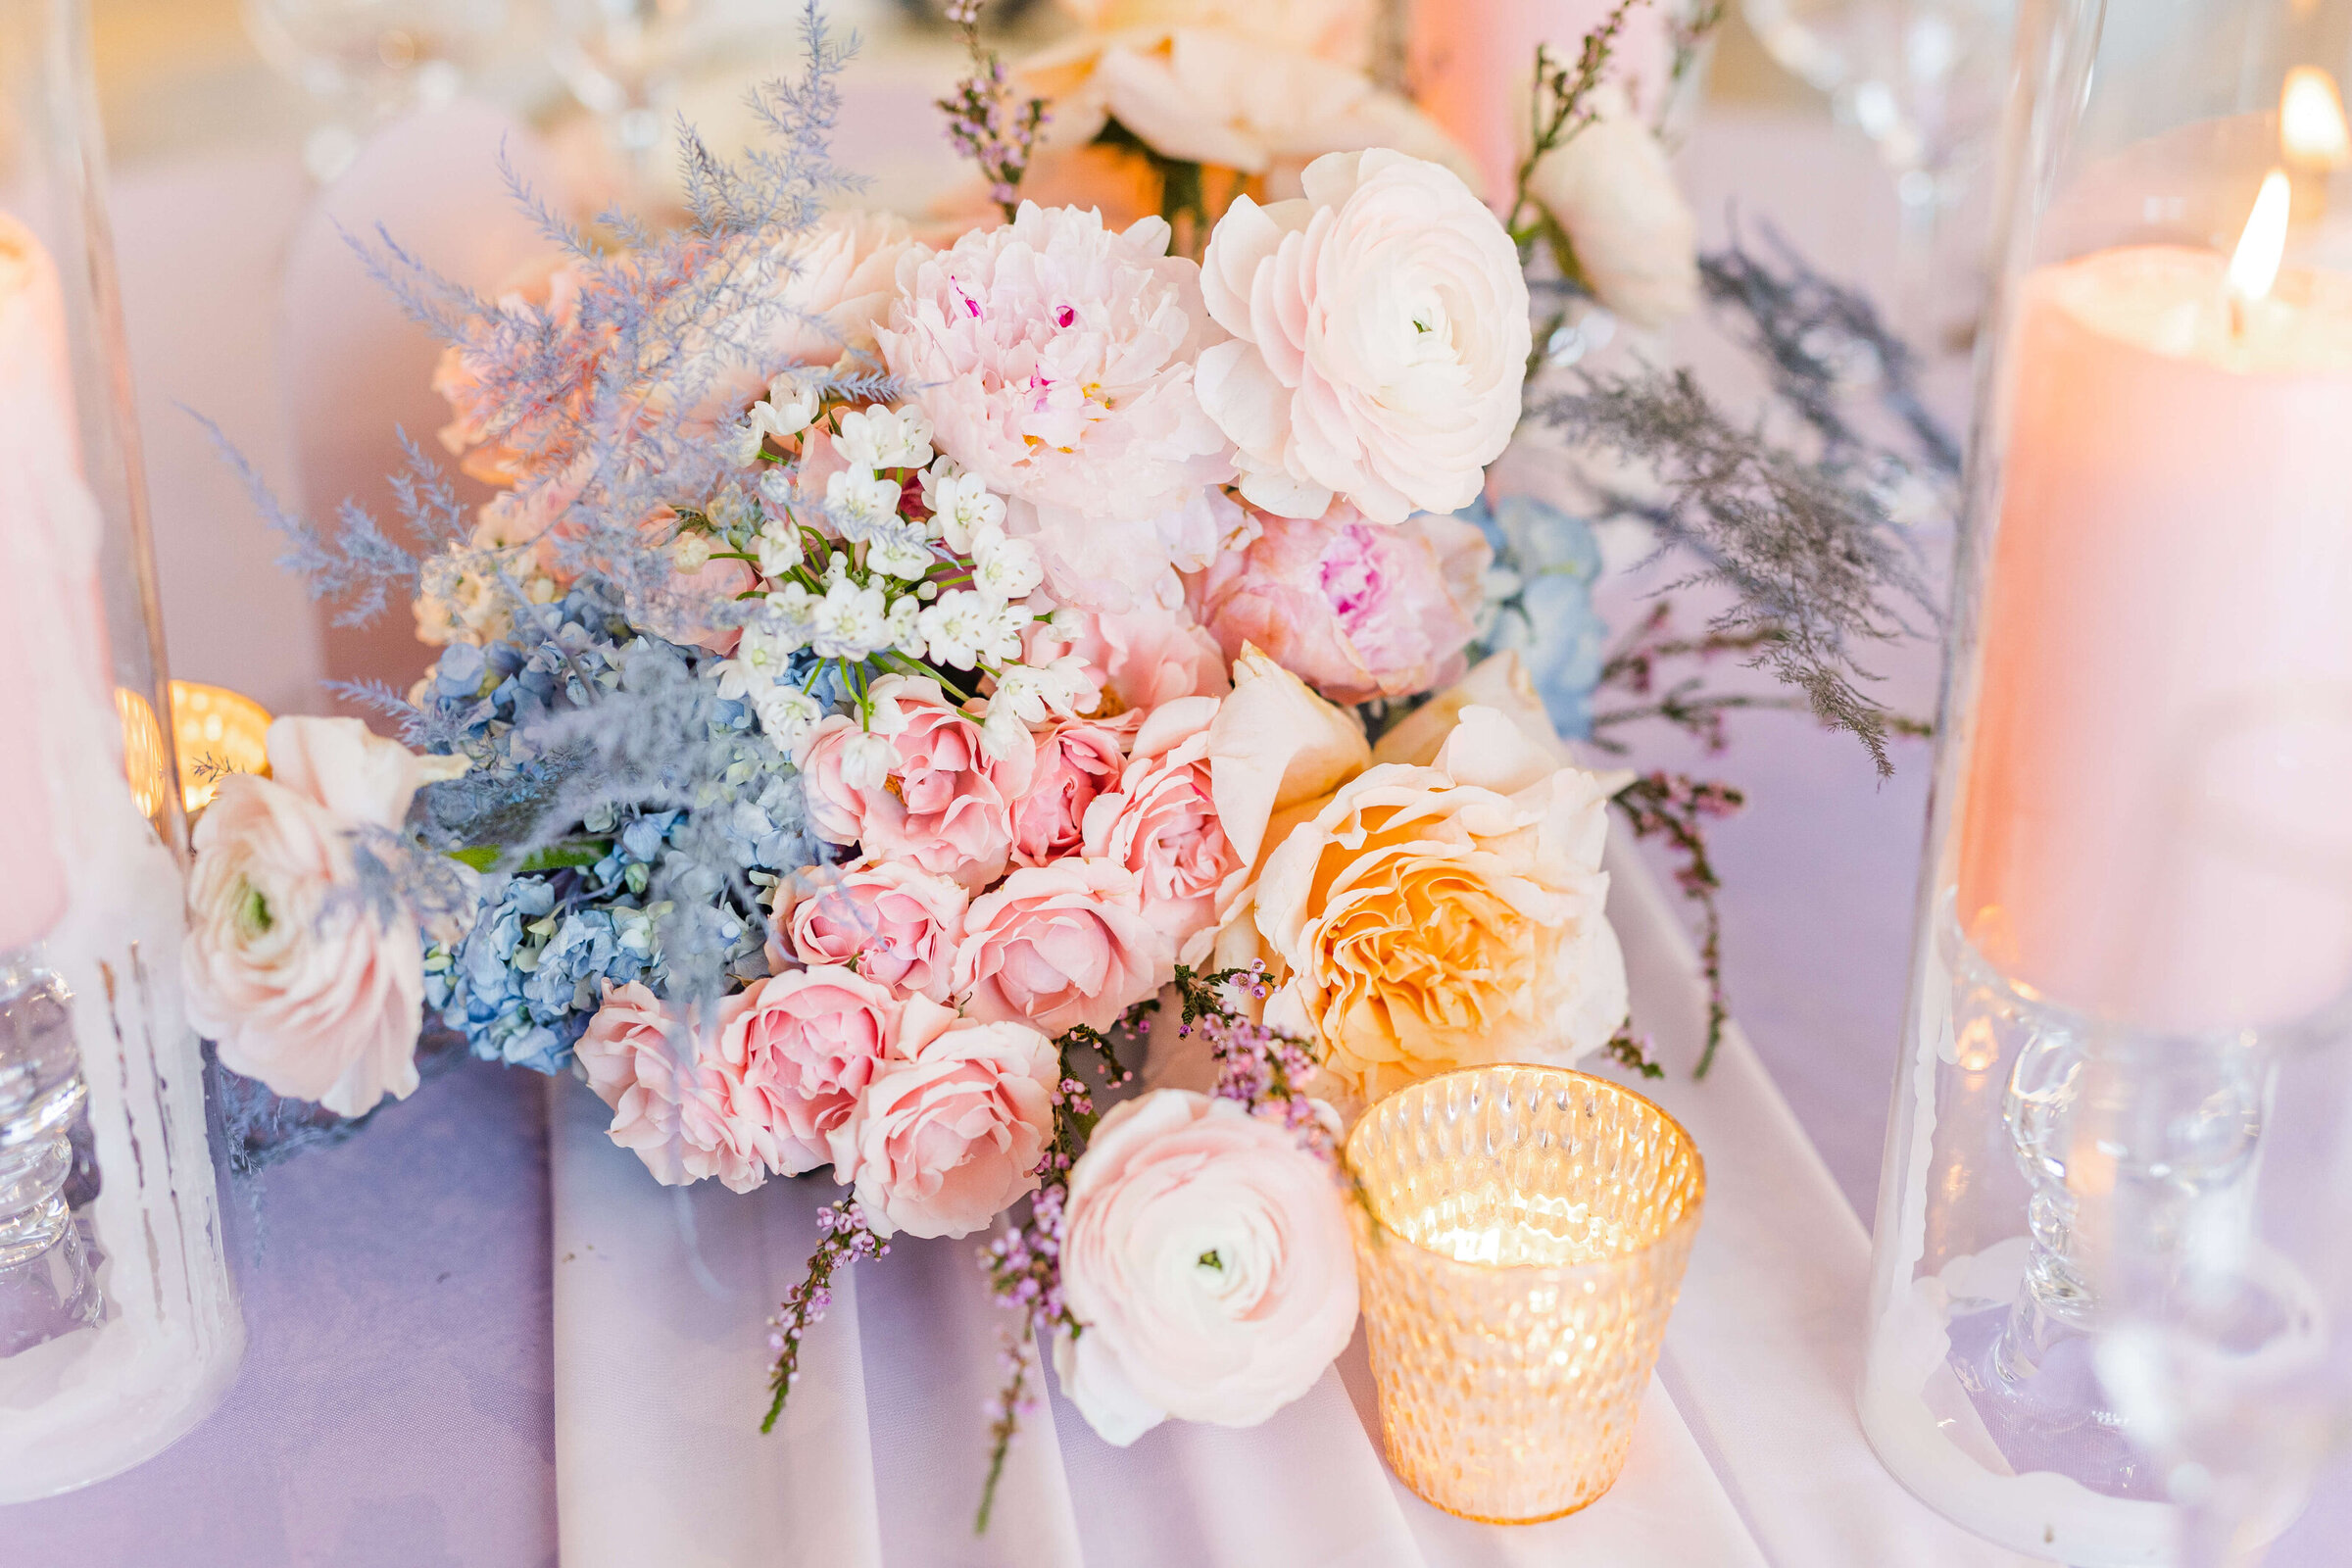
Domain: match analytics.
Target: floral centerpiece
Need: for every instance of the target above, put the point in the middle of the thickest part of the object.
(904, 690)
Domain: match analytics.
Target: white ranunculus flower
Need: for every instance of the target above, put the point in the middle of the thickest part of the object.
(1338, 30)
(1380, 339)
(1207, 1254)
(1612, 191)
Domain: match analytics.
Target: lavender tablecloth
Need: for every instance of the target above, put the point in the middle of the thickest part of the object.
(394, 1410)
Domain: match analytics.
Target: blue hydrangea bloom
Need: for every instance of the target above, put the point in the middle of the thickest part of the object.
(1550, 617)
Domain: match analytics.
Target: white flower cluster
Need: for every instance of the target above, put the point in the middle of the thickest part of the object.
(865, 583)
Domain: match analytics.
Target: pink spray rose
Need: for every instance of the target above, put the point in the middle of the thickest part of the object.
(898, 923)
(1059, 946)
(1207, 1254)
(673, 1096)
(1077, 761)
(946, 805)
(950, 1132)
(801, 1046)
(1161, 824)
(1355, 609)
(1140, 658)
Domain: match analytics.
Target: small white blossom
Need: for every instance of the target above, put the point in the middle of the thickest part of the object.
(865, 762)
(778, 547)
(690, 553)
(787, 714)
(760, 661)
(1004, 567)
(787, 411)
(965, 629)
(960, 503)
(851, 621)
(791, 615)
(900, 552)
(861, 501)
(885, 438)
(1003, 733)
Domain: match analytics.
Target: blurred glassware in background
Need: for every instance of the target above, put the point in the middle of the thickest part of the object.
(369, 60)
(623, 59)
(1923, 79)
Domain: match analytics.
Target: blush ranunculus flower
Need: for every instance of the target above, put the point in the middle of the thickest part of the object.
(671, 1095)
(1208, 1255)
(946, 806)
(1612, 191)
(1380, 339)
(953, 1127)
(1355, 609)
(1140, 658)
(300, 982)
(1054, 357)
(1078, 759)
(1061, 945)
(1432, 917)
(1161, 824)
(799, 1049)
(897, 922)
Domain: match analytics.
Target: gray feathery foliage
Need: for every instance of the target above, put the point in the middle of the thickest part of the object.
(1802, 538)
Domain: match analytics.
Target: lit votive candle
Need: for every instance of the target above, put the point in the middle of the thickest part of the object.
(1520, 1246)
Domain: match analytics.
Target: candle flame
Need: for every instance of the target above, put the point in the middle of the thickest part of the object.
(2254, 268)
(2312, 130)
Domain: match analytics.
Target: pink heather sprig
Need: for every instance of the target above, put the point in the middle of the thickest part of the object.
(985, 123)
(1016, 1398)
(845, 1240)
(1259, 1068)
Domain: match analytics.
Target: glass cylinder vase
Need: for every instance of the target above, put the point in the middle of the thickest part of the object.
(2137, 865)
(118, 1327)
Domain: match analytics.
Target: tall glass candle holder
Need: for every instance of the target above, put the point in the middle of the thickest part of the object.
(2136, 869)
(119, 1327)
(1520, 1243)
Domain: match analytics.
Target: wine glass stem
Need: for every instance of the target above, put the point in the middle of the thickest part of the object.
(1919, 306)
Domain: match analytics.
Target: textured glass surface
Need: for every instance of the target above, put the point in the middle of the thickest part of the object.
(1526, 1239)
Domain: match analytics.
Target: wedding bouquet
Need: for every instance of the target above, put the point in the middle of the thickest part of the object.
(898, 678)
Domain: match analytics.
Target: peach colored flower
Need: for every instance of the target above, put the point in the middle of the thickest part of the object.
(799, 1048)
(1140, 658)
(1077, 761)
(897, 923)
(1059, 946)
(671, 1093)
(1612, 191)
(1276, 751)
(953, 1125)
(1430, 917)
(508, 446)
(1338, 30)
(1161, 824)
(1380, 339)
(946, 806)
(1208, 1256)
(1356, 610)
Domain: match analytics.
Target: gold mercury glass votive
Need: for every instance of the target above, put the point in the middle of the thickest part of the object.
(1525, 1242)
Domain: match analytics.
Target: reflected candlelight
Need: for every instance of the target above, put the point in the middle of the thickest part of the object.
(2312, 131)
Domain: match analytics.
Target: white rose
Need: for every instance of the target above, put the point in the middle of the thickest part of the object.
(1612, 190)
(1380, 339)
(1208, 1255)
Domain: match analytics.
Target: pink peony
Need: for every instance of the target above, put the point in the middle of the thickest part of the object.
(1162, 825)
(1059, 946)
(1077, 761)
(946, 806)
(1380, 339)
(1356, 610)
(672, 1098)
(1208, 1256)
(950, 1131)
(800, 1049)
(1054, 357)
(898, 924)
(1143, 658)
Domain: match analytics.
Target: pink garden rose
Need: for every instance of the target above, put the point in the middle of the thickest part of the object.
(1059, 946)
(1380, 339)
(897, 923)
(1077, 761)
(1161, 824)
(800, 1048)
(946, 806)
(672, 1095)
(1208, 1255)
(1355, 609)
(1140, 658)
(950, 1131)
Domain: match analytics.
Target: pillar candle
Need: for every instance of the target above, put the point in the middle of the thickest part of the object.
(2154, 818)
(1471, 63)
